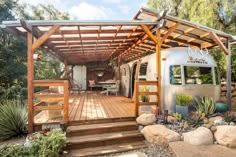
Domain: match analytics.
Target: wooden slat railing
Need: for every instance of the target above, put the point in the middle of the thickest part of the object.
(138, 93)
(44, 93)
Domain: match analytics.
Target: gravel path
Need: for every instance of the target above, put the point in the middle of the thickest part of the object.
(152, 150)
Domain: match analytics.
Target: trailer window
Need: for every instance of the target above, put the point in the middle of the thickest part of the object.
(143, 69)
(198, 75)
(175, 75)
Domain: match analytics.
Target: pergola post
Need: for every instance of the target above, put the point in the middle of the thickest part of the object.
(228, 75)
(66, 69)
(157, 40)
(30, 76)
(158, 64)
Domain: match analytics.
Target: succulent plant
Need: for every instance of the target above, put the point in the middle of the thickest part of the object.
(195, 119)
(205, 105)
(177, 116)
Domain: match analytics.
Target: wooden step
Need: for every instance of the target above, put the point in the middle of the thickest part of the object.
(103, 139)
(98, 121)
(103, 150)
(101, 128)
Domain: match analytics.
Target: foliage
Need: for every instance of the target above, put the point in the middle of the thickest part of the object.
(13, 60)
(183, 100)
(13, 118)
(195, 119)
(230, 116)
(205, 105)
(48, 145)
(177, 116)
(144, 98)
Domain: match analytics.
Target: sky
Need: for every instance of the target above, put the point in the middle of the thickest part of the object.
(95, 9)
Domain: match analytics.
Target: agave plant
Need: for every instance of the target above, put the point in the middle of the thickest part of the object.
(205, 105)
(183, 100)
(13, 118)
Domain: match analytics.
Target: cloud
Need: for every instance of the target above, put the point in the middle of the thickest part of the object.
(85, 11)
(112, 1)
(125, 9)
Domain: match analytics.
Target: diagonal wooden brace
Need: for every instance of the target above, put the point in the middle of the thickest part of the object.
(44, 37)
(149, 33)
(218, 42)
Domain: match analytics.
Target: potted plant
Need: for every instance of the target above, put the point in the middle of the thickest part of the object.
(182, 103)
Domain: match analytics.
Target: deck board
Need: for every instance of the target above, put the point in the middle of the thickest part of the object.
(88, 105)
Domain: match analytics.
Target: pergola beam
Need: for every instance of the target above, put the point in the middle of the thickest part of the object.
(26, 25)
(44, 37)
(218, 42)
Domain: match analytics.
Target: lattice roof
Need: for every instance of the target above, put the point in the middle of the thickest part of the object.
(80, 42)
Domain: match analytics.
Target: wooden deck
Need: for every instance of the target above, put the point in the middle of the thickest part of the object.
(89, 105)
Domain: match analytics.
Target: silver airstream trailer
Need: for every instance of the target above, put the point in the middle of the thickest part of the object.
(184, 70)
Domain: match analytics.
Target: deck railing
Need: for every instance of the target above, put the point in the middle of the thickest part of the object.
(139, 93)
(45, 93)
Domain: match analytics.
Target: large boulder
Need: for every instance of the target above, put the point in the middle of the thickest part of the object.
(159, 134)
(200, 136)
(226, 135)
(146, 119)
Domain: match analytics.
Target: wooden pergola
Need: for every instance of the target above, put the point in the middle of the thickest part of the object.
(80, 42)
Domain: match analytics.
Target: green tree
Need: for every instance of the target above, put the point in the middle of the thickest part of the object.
(218, 14)
(13, 60)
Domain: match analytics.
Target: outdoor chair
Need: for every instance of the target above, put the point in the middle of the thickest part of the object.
(92, 84)
(73, 86)
(113, 88)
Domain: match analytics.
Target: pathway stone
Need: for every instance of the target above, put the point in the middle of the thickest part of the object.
(183, 149)
(133, 154)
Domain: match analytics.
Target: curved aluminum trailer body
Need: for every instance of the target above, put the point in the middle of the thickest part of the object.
(184, 71)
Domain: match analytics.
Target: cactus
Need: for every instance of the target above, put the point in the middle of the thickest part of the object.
(205, 106)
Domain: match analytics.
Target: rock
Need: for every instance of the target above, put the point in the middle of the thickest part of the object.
(133, 154)
(146, 119)
(200, 136)
(231, 123)
(208, 126)
(226, 135)
(171, 119)
(213, 128)
(218, 120)
(186, 125)
(205, 120)
(159, 134)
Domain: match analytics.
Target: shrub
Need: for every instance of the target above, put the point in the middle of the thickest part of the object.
(43, 145)
(49, 145)
(183, 100)
(230, 116)
(205, 105)
(13, 118)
